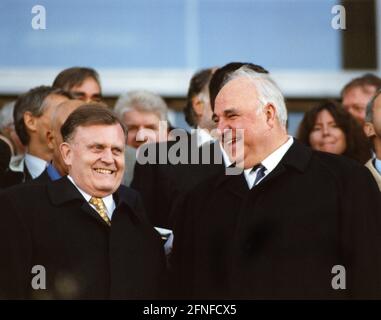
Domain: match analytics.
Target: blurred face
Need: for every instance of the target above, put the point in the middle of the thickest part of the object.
(377, 117)
(373, 129)
(88, 91)
(236, 107)
(95, 157)
(54, 136)
(203, 109)
(326, 135)
(142, 127)
(355, 100)
(43, 122)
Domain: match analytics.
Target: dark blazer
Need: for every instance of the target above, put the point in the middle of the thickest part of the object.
(162, 185)
(12, 178)
(5, 157)
(42, 178)
(53, 226)
(281, 239)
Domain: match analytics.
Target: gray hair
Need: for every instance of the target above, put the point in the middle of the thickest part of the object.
(141, 100)
(6, 115)
(267, 90)
(370, 106)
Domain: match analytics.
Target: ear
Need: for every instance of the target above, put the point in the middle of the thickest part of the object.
(270, 114)
(66, 153)
(369, 129)
(50, 139)
(30, 121)
(198, 105)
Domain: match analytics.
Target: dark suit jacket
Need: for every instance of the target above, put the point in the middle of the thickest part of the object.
(162, 185)
(12, 178)
(52, 225)
(281, 239)
(5, 157)
(42, 178)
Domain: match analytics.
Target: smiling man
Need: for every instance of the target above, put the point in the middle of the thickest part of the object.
(89, 233)
(306, 214)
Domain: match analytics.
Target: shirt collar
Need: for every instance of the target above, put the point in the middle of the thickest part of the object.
(35, 165)
(377, 165)
(53, 172)
(108, 200)
(270, 162)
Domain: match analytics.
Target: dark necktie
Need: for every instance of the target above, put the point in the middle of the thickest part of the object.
(260, 173)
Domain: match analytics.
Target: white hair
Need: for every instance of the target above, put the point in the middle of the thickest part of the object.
(141, 100)
(6, 115)
(267, 90)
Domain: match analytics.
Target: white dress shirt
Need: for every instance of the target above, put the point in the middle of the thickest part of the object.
(35, 165)
(108, 201)
(270, 162)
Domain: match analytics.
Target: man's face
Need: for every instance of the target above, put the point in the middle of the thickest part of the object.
(355, 100)
(236, 107)
(206, 121)
(43, 123)
(88, 91)
(377, 117)
(142, 127)
(95, 157)
(55, 137)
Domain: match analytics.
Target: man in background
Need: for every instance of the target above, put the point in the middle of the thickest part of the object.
(162, 185)
(142, 112)
(373, 131)
(32, 115)
(56, 168)
(8, 131)
(357, 93)
(82, 83)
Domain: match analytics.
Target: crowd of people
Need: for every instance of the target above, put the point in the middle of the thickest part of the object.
(235, 209)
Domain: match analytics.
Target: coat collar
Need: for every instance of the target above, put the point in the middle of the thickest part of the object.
(63, 191)
(296, 158)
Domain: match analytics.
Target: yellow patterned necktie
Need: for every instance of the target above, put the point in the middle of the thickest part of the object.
(100, 208)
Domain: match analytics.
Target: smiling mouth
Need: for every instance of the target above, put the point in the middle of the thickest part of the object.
(104, 171)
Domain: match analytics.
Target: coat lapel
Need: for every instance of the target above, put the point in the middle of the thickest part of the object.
(297, 158)
(62, 191)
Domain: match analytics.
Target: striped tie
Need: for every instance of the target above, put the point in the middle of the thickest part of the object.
(260, 173)
(100, 208)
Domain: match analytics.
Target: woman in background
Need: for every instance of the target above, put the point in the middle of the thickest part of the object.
(329, 128)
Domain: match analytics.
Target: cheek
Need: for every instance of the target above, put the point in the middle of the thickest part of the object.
(314, 139)
(131, 136)
(341, 141)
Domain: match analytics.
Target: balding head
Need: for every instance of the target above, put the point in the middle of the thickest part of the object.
(59, 116)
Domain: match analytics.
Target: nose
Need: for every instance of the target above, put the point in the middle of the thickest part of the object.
(107, 156)
(326, 130)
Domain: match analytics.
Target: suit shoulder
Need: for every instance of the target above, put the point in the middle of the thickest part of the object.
(338, 165)
(23, 190)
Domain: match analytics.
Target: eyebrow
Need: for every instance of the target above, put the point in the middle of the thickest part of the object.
(229, 112)
(98, 144)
